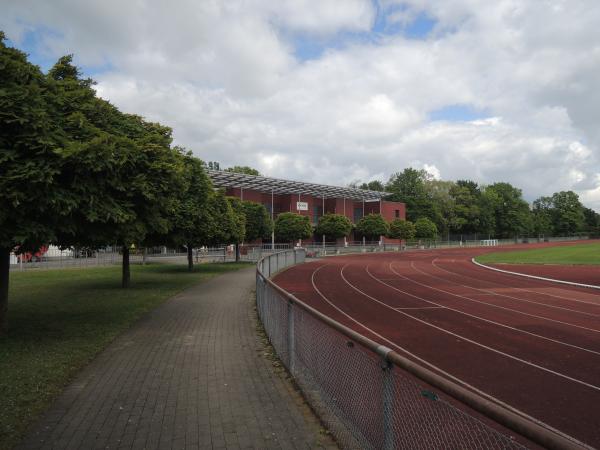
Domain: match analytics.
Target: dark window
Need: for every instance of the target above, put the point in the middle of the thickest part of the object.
(358, 213)
(317, 212)
(397, 213)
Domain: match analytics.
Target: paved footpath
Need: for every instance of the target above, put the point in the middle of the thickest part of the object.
(191, 374)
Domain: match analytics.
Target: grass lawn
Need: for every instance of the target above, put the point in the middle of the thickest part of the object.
(60, 319)
(569, 254)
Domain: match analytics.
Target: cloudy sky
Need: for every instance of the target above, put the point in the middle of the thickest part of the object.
(335, 91)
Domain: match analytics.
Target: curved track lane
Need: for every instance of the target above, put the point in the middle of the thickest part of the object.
(532, 345)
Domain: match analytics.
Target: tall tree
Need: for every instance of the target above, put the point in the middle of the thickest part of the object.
(291, 227)
(334, 226)
(194, 224)
(591, 220)
(511, 213)
(33, 200)
(488, 203)
(258, 221)
(541, 214)
(408, 186)
(467, 207)
(567, 213)
(425, 229)
(122, 172)
(225, 219)
(402, 229)
(439, 192)
(238, 230)
(372, 226)
(374, 185)
(243, 169)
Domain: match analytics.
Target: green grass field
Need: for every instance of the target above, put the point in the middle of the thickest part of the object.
(570, 254)
(60, 319)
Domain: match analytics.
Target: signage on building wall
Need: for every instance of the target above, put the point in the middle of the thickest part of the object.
(302, 206)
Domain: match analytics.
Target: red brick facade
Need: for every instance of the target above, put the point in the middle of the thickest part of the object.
(350, 208)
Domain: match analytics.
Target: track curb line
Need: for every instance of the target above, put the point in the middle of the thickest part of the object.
(571, 283)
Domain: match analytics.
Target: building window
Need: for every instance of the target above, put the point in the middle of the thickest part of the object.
(317, 212)
(397, 213)
(358, 213)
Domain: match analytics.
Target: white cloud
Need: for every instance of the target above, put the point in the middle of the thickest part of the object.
(225, 76)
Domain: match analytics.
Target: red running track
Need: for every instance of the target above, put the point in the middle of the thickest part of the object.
(531, 344)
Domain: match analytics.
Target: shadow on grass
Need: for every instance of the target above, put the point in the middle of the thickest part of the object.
(60, 319)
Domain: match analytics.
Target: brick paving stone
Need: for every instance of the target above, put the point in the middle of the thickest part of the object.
(190, 374)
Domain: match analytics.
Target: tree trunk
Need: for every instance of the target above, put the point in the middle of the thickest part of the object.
(4, 272)
(190, 258)
(126, 278)
(237, 252)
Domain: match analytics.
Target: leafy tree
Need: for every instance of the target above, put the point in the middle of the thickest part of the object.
(33, 200)
(334, 226)
(226, 222)
(402, 229)
(372, 226)
(122, 173)
(511, 212)
(467, 207)
(238, 231)
(408, 186)
(290, 227)
(193, 222)
(488, 203)
(374, 185)
(443, 205)
(243, 169)
(591, 221)
(258, 221)
(213, 165)
(425, 229)
(567, 213)
(541, 214)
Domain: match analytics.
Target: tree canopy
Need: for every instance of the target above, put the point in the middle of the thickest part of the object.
(408, 186)
(425, 229)
(372, 226)
(402, 229)
(243, 169)
(291, 227)
(258, 221)
(334, 226)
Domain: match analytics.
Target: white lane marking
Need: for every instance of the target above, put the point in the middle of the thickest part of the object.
(572, 283)
(443, 330)
(520, 289)
(504, 295)
(479, 317)
(422, 307)
(433, 366)
(494, 306)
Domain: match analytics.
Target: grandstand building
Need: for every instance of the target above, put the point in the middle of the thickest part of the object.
(308, 199)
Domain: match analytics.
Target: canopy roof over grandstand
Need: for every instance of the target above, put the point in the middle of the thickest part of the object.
(222, 178)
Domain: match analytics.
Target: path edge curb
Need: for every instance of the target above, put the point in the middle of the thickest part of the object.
(571, 283)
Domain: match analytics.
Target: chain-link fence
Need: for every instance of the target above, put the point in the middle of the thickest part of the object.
(55, 258)
(332, 248)
(370, 397)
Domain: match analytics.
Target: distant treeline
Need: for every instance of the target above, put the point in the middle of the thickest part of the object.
(496, 210)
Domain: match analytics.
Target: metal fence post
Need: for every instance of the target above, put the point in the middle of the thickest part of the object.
(388, 399)
(291, 339)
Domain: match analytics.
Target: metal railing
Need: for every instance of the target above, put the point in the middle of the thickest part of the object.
(315, 250)
(369, 396)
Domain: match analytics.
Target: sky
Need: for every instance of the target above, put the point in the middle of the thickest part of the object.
(337, 91)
